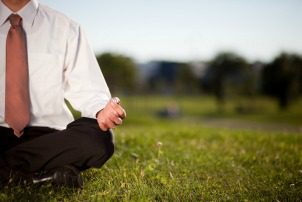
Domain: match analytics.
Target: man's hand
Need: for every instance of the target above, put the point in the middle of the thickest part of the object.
(112, 115)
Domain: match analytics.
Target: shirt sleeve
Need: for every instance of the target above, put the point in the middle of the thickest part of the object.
(84, 84)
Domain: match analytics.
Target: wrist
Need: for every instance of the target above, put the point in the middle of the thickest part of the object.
(98, 113)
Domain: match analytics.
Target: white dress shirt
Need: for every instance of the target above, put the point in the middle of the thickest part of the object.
(61, 66)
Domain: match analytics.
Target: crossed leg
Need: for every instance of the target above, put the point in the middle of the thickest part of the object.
(82, 145)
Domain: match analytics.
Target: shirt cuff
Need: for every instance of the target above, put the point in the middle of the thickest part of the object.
(92, 111)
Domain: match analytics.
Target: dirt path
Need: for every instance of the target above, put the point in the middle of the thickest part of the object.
(250, 125)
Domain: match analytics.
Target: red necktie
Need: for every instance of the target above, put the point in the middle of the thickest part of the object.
(17, 103)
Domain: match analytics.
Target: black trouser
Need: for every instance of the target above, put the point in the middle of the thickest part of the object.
(82, 144)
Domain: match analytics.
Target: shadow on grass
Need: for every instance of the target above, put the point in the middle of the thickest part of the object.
(41, 192)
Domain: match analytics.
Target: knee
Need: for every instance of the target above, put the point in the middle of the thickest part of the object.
(108, 144)
(102, 149)
(95, 146)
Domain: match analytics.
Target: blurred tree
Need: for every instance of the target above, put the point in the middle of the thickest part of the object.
(228, 74)
(282, 78)
(186, 81)
(119, 71)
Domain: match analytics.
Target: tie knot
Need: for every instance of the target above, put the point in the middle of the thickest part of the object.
(15, 20)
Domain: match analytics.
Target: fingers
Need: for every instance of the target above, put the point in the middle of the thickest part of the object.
(116, 100)
(115, 104)
(119, 111)
(110, 122)
(116, 120)
(106, 124)
(103, 126)
(112, 115)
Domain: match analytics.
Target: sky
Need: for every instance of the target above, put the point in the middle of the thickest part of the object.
(188, 30)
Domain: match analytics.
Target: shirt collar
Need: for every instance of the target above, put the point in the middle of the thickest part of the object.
(4, 12)
(28, 12)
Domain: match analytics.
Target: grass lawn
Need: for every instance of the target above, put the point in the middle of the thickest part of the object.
(183, 160)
